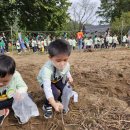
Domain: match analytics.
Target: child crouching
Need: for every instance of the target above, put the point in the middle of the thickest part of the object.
(11, 85)
(55, 75)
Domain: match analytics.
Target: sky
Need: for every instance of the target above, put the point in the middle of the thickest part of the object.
(97, 2)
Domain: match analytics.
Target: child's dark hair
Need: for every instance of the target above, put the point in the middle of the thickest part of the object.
(7, 66)
(59, 46)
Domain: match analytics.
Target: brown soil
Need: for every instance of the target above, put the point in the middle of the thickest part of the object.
(102, 80)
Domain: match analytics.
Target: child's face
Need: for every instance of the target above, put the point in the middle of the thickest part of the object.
(4, 81)
(60, 61)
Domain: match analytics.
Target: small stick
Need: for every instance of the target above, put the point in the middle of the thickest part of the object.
(62, 117)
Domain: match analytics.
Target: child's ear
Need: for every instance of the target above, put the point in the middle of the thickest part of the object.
(50, 57)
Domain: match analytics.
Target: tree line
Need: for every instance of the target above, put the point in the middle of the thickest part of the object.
(116, 13)
(34, 14)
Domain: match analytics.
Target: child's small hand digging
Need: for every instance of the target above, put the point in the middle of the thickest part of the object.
(58, 107)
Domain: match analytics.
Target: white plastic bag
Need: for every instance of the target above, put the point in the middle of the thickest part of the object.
(66, 95)
(25, 108)
(75, 96)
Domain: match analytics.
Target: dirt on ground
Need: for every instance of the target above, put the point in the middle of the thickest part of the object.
(102, 80)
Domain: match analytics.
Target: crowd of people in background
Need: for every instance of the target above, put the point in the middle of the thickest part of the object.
(3, 44)
(82, 41)
(89, 42)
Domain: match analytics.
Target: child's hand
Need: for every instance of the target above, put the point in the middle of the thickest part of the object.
(58, 106)
(70, 79)
(18, 96)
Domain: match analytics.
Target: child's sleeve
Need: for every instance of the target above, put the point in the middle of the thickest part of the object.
(46, 82)
(68, 74)
(21, 86)
(47, 89)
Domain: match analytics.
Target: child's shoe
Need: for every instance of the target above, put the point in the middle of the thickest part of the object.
(47, 111)
(2, 117)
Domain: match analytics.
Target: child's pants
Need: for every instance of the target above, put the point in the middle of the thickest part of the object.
(6, 103)
(2, 50)
(80, 44)
(55, 87)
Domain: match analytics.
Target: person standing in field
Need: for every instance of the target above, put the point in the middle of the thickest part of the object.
(79, 37)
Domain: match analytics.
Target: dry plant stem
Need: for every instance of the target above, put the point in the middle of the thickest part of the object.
(62, 118)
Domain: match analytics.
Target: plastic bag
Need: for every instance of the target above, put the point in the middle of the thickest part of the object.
(66, 95)
(25, 108)
(75, 96)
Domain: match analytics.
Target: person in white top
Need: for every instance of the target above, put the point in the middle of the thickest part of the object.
(102, 40)
(124, 40)
(74, 43)
(110, 41)
(96, 42)
(115, 41)
(18, 47)
(88, 43)
(85, 42)
(34, 44)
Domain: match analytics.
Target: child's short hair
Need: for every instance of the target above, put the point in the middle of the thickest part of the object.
(7, 66)
(59, 46)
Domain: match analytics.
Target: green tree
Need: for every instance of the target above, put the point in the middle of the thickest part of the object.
(122, 23)
(3, 25)
(111, 9)
(35, 14)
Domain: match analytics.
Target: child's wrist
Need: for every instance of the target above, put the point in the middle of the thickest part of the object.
(52, 102)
